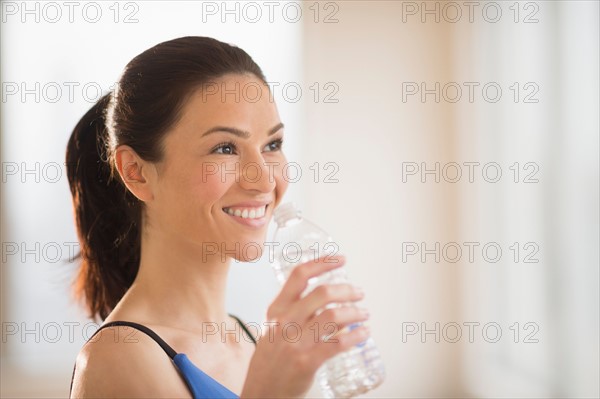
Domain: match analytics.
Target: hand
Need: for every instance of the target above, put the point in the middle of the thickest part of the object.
(290, 349)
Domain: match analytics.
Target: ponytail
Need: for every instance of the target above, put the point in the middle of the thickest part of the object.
(107, 216)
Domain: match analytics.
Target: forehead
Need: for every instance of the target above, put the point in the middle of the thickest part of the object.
(241, 101)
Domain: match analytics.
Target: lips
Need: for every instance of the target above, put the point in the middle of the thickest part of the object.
(248, 216)
(247, 213)
(249, 204)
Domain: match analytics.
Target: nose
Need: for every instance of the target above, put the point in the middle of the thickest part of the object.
(258, 174)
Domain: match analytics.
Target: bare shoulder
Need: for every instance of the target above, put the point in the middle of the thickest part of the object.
(120, 361)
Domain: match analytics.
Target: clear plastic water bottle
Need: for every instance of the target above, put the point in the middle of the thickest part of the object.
(297, 241)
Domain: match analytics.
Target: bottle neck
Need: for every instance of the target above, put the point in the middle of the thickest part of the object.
(287, 214)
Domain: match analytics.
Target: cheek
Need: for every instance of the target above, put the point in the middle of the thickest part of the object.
(208, 189)
(281, 184)
(191, 190)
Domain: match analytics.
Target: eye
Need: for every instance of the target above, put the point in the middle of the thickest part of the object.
(275, 145)
(227, 147)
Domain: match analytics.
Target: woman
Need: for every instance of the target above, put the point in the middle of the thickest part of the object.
(157, 170)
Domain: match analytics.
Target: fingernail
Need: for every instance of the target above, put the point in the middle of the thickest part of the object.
(364, 313)
(359, 291)
(336, 259)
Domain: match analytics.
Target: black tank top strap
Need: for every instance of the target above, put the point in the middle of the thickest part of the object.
(244, 328)
(170, 351)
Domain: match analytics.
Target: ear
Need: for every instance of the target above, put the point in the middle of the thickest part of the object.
(135, 173)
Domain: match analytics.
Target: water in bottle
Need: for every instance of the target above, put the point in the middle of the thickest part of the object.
(297, 241)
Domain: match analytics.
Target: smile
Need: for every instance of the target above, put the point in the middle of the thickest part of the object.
(253, 217)
(247, 213)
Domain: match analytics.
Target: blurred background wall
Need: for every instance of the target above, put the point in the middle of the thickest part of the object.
(450, 148)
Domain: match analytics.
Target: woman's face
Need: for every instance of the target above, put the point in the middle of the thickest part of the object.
(224, 156)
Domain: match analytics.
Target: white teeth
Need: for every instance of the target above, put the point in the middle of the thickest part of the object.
(251, 213)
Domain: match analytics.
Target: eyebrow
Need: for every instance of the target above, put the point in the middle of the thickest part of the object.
(240, 133)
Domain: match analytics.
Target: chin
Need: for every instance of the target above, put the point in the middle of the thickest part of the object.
(251, 253)
(252, 249)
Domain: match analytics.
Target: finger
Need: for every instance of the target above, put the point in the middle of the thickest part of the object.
(340, 343)
(320, 297)
(298, 280)
(338, 318)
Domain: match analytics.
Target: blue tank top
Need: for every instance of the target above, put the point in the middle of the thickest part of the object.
(200, 384)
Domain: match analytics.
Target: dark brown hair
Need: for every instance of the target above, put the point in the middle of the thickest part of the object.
(147, 102)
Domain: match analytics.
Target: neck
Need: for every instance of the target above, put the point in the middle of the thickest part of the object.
(178, 284)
